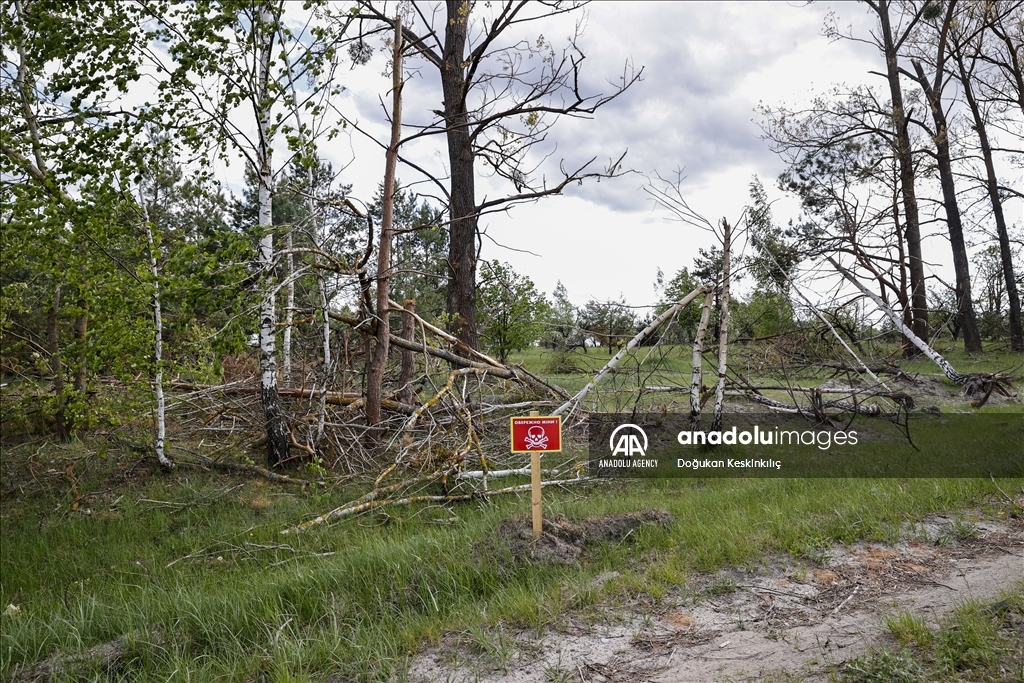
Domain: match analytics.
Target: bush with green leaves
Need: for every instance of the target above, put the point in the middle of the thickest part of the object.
(510, 311)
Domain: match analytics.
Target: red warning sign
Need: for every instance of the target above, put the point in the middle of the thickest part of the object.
(536, 434)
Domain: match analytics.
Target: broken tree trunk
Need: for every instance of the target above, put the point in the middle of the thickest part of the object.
(633, 343)
(723, 329)
(334, 398)
(460, 346)
(698, 365)
(927, 350)
(405, 391)
(373, 500)
(375, 383)
(493, 367)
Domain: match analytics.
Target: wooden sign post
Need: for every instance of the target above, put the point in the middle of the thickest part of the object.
(535, 435)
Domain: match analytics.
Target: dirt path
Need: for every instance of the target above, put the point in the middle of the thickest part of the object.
(783, 618)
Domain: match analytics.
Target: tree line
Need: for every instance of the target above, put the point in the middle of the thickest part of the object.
(877, 167)
(124, 258)
(104, 228)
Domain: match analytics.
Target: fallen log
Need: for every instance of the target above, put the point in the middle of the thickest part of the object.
(248, 469)
(872, 410)
(935, 356)
(633, 343)
(337, 398)
(977, 385)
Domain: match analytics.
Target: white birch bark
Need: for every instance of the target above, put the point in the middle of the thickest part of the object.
(818, 314)
(321, 413)
(633, 343)
(842, 341)
(289, 317)
(927, 350)
(158, 346)
(723, 332)
(698, 362)
(277, 437)
(268, 312)
(320, 279)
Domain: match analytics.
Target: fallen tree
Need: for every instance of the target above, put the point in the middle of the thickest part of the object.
(633, 343)
(979, 386)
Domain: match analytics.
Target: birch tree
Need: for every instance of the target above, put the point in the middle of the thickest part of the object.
(697, 360)
(227, 79)
(723, 333)
(158, 340)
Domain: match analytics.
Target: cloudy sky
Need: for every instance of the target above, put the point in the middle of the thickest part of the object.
(706, 67)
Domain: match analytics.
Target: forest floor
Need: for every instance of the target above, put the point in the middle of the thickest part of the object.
(113, 569)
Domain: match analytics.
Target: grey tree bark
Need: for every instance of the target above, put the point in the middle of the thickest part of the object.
(405, 391)
(890, 46)
(962, 52)
(496, 113)
(462, 207)
(954, 224)
(723, 330)
(378, 363)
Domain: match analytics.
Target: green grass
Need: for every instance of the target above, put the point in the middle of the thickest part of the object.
(185, 575)
(672, 366)
(677, 359)
(977, 642)
(240, 601)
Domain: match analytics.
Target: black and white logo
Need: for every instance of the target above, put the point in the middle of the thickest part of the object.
(628, 440)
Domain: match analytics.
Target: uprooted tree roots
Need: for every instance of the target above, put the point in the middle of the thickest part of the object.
(979, 387)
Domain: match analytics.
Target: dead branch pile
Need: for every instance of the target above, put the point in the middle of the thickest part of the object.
(443, 434)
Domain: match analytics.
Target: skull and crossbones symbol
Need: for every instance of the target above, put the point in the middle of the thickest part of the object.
(536, 439)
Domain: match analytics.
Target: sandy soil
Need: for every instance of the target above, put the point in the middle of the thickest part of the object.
(782, 618)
